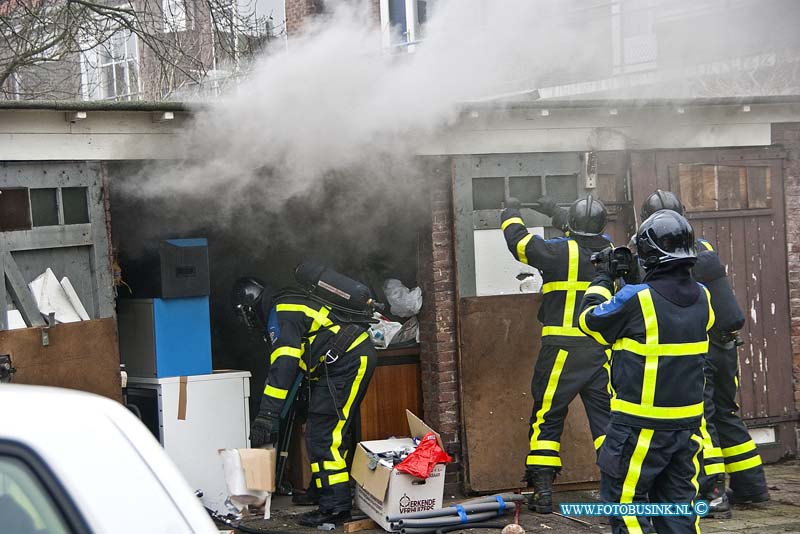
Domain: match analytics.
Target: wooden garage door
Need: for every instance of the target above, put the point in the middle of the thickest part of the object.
(734, 199)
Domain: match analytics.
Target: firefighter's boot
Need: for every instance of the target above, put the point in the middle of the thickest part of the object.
(541, 479)
(719, 506)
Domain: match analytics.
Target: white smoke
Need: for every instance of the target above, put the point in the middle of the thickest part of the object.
(335, 101)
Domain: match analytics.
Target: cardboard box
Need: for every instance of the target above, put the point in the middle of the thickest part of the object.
(250, 476)
(384, 491)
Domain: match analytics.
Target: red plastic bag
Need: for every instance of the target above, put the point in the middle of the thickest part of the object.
(421, 462)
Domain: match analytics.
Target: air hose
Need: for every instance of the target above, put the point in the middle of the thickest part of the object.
(443, 530)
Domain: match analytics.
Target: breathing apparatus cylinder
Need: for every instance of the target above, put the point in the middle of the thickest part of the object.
(333, 287)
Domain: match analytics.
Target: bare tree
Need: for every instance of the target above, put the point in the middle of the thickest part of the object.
(125, 50)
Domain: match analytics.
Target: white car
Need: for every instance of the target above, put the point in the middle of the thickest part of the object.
(75, 462)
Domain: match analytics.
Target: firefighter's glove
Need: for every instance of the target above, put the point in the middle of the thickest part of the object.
(513, 203)
(547, 206)
(602, 261)
(263, 431)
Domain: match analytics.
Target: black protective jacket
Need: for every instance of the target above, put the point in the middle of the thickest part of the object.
(566, 270)
(658, 333)
(709, 271)
(300, 331)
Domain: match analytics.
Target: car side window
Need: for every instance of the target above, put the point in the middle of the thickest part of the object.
(25, 505)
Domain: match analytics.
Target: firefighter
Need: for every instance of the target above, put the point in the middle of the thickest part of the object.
(727, 444)
(307, 336)
(658, 333)
(569, 362)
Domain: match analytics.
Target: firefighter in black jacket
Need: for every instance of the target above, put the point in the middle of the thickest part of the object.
(338, 358)
(658, 333)
(728, 446)
(569, 362)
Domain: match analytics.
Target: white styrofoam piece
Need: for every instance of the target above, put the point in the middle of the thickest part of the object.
(74, 299)
(50, 297)
(217, 417)
(15, 320)
(496, 269)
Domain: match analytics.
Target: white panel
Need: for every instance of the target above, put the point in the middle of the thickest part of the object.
(496, 269)
(216, 418)
(763, 435)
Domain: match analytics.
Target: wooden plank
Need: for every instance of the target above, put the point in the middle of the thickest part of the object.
(81, 356)
(361, 524)
(74, 235)
(3, 295)
(500, 340)
(755, 312)
(20, 292)
(392, 390)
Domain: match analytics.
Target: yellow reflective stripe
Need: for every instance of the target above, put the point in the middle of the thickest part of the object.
(553, 461)
(707, 443)
(736, 450)
(596, 335)
(632, 476)
(572, 331)
(713, 452)
(607, 367)
(664, 349)
(285, 351)
(711, 315)
(319, 483)
(651, 340)
(743, 465)
(512, 220)
(657, 412)
(336, 441)
(706, 244)
(359, 340)
(565, 286)
(714, 468)
(320, 317)
(599, 290)
(277, 393)
(695, 483)
(315, 467)
(547, 399)
(545, 446)
(338, 478)
(572, 276)
(599, 441)
(521, 248)
(336, 465)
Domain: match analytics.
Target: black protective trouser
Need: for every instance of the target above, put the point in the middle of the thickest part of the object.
(731, 441)
(334, 400)
(559, 376)
(659, 466)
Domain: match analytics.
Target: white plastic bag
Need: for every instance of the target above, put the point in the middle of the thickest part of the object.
(238, 493)
(383, 331)
(404, 302)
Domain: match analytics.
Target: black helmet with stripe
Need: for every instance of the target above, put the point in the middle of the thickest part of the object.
(661, 200)
(664, 237)
(587, 217)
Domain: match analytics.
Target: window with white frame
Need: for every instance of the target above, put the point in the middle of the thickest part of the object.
(403, 21)
(110, 70)
(174, 15)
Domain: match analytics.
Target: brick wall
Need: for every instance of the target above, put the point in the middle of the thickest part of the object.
(439, 364)
(788, 135)
(296, 13)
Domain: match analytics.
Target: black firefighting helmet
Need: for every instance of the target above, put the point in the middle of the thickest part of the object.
(661, 200)
(251, 299)
(587, 217)
(665, 236)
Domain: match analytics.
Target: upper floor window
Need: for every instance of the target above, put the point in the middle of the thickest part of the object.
(404, 21)
(110, 70)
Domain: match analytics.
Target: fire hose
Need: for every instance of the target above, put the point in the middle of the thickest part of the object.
(456, 516)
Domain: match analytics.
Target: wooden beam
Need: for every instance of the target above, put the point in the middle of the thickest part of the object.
(20, 292)
(73, 235)
(359, 525)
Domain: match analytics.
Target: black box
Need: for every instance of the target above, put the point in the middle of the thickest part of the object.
(184, 268)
